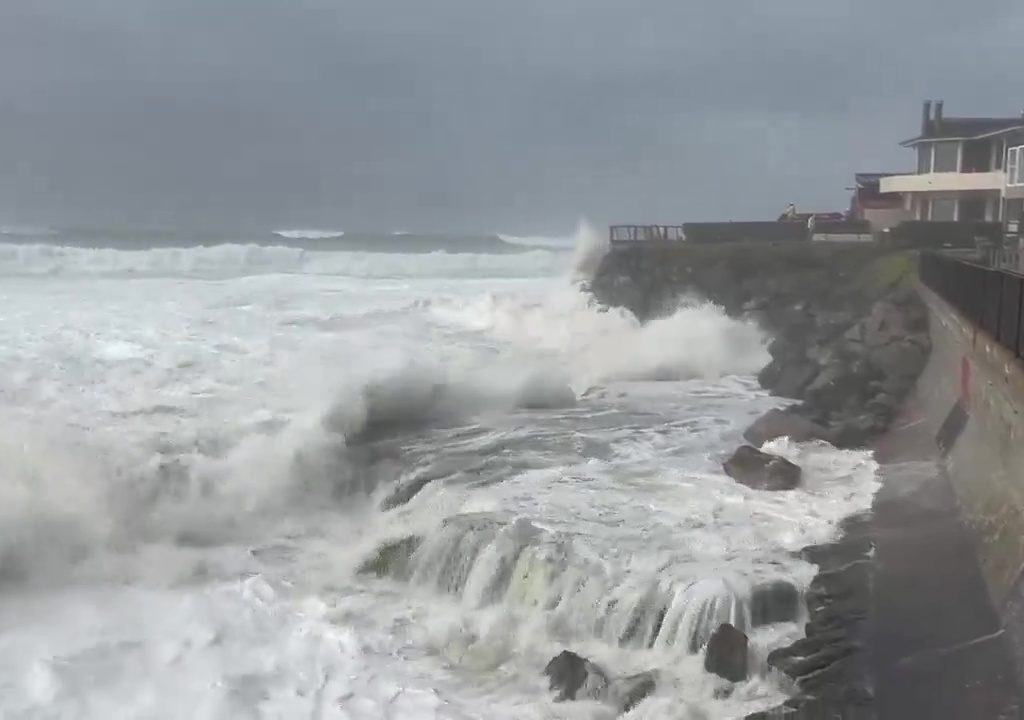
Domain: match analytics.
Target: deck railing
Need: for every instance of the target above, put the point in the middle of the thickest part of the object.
(646, 233)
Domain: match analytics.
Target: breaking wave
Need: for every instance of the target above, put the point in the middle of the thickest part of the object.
(603, 344)
(58, 503)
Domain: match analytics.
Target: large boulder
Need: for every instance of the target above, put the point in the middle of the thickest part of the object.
(572, 677)
(761, 471)
(793, 378)
(838, 384)
(901, 359)
(857, 431)
(780, 423)
(726, 654)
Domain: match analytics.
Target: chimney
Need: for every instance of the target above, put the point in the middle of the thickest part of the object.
(926, 117)
(938, 114)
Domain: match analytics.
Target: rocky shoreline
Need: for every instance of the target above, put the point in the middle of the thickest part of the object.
(849, 332)
(849, 340)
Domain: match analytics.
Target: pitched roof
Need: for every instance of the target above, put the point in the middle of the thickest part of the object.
(954, 128)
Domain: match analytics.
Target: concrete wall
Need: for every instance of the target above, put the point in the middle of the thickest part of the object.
(944, 182)
(985, 461)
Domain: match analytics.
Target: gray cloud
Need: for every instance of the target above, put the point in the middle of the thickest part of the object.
(472, 114)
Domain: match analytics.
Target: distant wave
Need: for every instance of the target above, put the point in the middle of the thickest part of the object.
(232, 260)
(546, 241)
(27, 231)
(126, 238)
(309, 234)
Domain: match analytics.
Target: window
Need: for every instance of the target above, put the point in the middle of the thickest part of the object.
(1015, 166)
(1014, 210)
(973, 208)
(924, 158)
(947, 157)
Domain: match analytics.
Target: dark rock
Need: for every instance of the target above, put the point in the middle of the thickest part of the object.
(761, 471)
(770, 374)
(903, 359)
(781, 423)
(573, 677)
(774, 602)
(628, 692)
(391, 558)
(808, 669)
(837, 384)
(857, 432)
(726, 654)
(793, 379)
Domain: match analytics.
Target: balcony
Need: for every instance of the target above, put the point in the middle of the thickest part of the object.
(944, 182)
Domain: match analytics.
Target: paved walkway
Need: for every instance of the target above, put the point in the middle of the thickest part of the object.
(937, 649)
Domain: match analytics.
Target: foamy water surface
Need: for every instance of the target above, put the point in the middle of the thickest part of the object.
(202, 446)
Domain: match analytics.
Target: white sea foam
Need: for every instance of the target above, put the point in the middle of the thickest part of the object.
(231, 650)
(310, 234)
(599, 344)
(166, 437)
(53, 504)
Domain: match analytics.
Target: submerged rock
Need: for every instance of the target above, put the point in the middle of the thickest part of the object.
(541, 393)
(726, 654)
(774, 602)
(780, 423)
(628, 692)
(574, 678)
(391, 558)
(761, 471)
(406, 491)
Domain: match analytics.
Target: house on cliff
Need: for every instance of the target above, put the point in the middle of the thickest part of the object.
(968, 169)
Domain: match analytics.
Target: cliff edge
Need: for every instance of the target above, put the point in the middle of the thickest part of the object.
(849, 332)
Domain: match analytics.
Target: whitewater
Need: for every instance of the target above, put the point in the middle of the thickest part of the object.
(263, 481)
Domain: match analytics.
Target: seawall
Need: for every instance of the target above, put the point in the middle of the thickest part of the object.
(920, 605)
(946, 529)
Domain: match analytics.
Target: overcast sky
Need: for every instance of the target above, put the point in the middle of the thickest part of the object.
(516, 116)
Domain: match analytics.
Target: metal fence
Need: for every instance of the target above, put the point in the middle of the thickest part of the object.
(991, 298)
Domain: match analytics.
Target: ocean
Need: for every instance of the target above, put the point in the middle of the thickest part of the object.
(207, 441)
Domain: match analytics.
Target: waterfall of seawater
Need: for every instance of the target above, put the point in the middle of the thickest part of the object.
(540, 580)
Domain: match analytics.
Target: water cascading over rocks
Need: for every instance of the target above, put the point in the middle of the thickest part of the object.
(483, 562)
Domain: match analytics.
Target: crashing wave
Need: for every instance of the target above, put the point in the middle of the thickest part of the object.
(600, 344)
